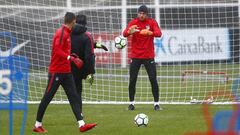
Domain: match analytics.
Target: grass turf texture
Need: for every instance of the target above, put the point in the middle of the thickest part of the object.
(115, 119)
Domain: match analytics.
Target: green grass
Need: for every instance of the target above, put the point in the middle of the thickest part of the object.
(115, 120)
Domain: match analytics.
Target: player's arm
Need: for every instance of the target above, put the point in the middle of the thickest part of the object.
(100, 45)
(89, 57)
(89, 65)
(156, 30)
(89, 60)
(130, 29)
(58, 47)
(61, 54)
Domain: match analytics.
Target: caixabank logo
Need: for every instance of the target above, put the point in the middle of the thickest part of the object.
(192, 45)
(159, 48)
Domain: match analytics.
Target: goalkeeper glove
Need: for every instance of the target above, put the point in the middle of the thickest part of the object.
(90, 79)
(74, 58)
(99, 45)
(146, 32)
(133, 29)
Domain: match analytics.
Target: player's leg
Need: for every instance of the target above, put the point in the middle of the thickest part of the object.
(69, 87)
(79, 86)
(53, 84)
(74, 99)
(78, 82)
(152, 75)
(78, 76)
(134, 69)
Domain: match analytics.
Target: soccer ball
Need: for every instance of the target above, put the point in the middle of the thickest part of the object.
(141, 120)
(120, 42)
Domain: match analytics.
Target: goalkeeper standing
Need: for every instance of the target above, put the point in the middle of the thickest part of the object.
(60, 74)
(143, 30)
(82, 46)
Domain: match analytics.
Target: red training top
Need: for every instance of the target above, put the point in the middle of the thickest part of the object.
(60, 51)
(143, 46)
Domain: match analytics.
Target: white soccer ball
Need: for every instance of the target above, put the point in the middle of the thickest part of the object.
(141, 120)
(120, 42)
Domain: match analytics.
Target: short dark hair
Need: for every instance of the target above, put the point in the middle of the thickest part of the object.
(81, 19)
(69, 17)
(143, 8)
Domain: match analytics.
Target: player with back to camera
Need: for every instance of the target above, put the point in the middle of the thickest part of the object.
(60, 74)
(82, 45)
(143, 30)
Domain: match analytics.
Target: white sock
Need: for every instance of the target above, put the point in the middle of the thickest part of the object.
(81, 123)
(132, 102)
(156, 103)
(38, 124)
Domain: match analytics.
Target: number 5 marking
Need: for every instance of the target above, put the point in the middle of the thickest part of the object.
(5, 80)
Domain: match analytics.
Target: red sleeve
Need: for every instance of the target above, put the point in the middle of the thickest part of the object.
(156, 30)
(58, 48)
(125, 32)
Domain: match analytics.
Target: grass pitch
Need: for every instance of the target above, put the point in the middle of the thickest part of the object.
(115, 119)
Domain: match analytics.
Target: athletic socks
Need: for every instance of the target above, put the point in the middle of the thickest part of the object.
(132, 102)
(156, 103)
(38, 124)
(81, 123)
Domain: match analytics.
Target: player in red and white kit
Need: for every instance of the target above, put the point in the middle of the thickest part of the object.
(143, 30)
(60, 74)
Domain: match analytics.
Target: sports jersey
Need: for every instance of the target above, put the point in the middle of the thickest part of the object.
(61, 47)
(143, 46)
